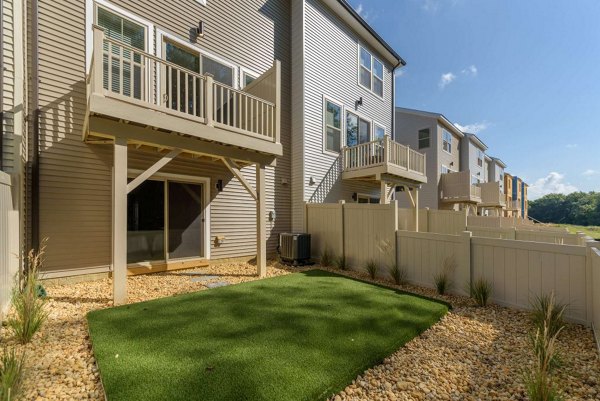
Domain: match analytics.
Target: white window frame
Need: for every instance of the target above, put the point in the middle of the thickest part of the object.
(90, 20)
(342, 125)
(361, 117)
(376, 124)
(372, 71)
(246, 71)
(205, 181)
(444, 131)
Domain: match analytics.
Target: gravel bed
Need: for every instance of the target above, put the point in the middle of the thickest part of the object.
(471, 354)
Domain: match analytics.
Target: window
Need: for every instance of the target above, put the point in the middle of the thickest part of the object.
(333, 126)
(370, 74)
(221, 72)
(424, 138)
(479, 158)
(445, 170)
(122, 72)
(379, 132)
(447, 141)
(246, 77)
(362, 198)
(358, 130)
(475, 180)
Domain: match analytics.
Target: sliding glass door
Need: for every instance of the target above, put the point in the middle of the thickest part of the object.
(185, 220)
(156, 233)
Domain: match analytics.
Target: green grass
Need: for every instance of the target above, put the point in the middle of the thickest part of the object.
(302, 336)
(592, 231)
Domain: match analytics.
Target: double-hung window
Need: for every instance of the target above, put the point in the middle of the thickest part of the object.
(124, 75)
(221, 72)
(333, 126)
(370, 74)
(447, 141)
(479, 158)
(358, 130)
(424, 138)
(378, 132)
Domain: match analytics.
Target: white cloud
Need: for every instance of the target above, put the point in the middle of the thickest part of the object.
(571, 146)
(590, 172)
(474, 128)
(446, 79)
(431, 5)
(553, 183)
(367, 16)
(470, 70)
(359, 8)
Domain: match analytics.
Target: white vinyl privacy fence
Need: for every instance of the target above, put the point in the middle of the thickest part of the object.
(518, 270)
(9, 241)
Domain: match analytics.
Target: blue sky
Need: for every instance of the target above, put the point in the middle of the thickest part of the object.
(524, 75)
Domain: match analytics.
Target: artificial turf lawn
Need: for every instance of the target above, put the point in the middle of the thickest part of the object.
(303, 336)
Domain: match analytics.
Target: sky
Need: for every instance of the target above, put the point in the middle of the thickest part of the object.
(523, 75)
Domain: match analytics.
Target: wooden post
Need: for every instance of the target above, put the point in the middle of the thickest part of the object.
(119, 223)
(383, 196)
(416, 209)
(210, 101)
(261, 225)
(97, 60)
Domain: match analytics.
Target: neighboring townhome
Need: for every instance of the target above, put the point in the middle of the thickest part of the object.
(343, 96)
(512, 206)
(524, 202)
(164, 135)
(449, 185)
(517, 185)
(13, 150)
(493, 198)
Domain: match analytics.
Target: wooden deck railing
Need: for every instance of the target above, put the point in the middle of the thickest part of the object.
(122, 71)
(380, 152)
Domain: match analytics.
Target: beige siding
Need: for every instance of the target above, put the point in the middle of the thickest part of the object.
(331, 69)
(10, 145)
(75, 204)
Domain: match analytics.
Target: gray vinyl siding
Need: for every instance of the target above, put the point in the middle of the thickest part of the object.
(331, 69)
(297, 181)
(10, 148)
(75, 178)
(407, 133)
(468, 160)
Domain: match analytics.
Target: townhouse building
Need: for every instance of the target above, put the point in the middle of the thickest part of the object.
(451, 185)
(163, 135)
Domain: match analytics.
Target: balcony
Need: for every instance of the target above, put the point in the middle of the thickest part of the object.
(457, 188)
(384, 160)
(158, 103)
(492, 195)
(513, 205)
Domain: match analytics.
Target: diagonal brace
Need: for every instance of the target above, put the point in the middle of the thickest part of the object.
(152, 170)
(235, 170)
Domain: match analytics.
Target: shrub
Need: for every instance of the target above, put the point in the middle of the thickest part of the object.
(372, 268)
(11, 375)
(340, 262)
(29, 307)
(442, 279)
(480, 291)
(547, 312)
(398, 274)
(539, 383)
(326, 258)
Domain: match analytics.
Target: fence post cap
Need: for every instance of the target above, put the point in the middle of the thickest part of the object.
(341, 202)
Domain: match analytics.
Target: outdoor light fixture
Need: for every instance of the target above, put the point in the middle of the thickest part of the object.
(200, 29)
(354, 196)
(311, 181)
(401, 189)
(451, 163)
(219, 185)
(359, 102)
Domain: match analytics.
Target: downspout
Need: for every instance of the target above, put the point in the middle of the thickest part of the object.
(401, 63)
(35, 167)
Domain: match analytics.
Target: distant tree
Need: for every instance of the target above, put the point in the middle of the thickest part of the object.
(578, 208)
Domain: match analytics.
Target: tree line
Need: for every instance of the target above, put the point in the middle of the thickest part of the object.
(579, 208)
